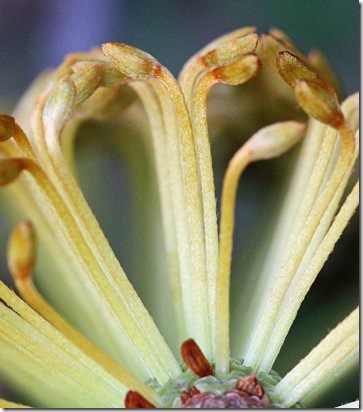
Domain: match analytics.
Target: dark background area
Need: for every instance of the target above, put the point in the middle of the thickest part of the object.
(37, 34)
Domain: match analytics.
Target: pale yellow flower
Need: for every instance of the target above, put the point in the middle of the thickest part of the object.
(51, 362)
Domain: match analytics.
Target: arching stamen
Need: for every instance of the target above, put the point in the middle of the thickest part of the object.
(197, 65)
(267, 143)
(229, 63)
(140, 65)
(294, 71)
(304, 187)
(79, 226)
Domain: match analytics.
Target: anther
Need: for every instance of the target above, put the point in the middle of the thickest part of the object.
(194, 358)
(134, 400)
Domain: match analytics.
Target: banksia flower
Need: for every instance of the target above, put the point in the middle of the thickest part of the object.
(81, 336)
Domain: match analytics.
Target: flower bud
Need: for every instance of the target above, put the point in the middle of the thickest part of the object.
(87, 81)
(239, 71)
(318, 103)
(274, 140)
(59, 106)
(195, 360)
(131, 61)
(230, 50)
(292, 69)
(110, 77)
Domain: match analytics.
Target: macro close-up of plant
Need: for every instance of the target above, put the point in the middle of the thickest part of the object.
(188, 321)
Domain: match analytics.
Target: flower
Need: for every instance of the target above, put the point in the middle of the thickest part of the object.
(111, 351)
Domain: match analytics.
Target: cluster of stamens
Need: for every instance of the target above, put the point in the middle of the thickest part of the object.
(248, 393)
(177, 112)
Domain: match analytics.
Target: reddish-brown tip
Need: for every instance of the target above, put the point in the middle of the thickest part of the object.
(134, 400)
(194, 358)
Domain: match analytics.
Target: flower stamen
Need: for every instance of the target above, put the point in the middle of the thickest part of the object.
(314, 222)
(65, 205)
(267, 143)
(301, 285)
(229, 62)
(184, 177)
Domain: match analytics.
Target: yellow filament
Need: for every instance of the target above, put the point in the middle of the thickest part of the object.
(299, 290)
(287, 215)
(299, 188)
(197, 79)
(76, 241)
(180, 139)
(322, 206)
(235, 168)
(179, 209)
(31, 295)
(199, 113)
(194, 212)
(149, 338)
(27, 336)
(270, 142)
(155, 115)
(330, 353)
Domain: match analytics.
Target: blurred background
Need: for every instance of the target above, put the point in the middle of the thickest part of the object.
(37, 34)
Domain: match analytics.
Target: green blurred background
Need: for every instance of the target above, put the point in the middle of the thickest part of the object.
(36, 34)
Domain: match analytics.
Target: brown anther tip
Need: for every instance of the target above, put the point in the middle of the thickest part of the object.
(134, 400)
(250, 385)
(195, 360)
